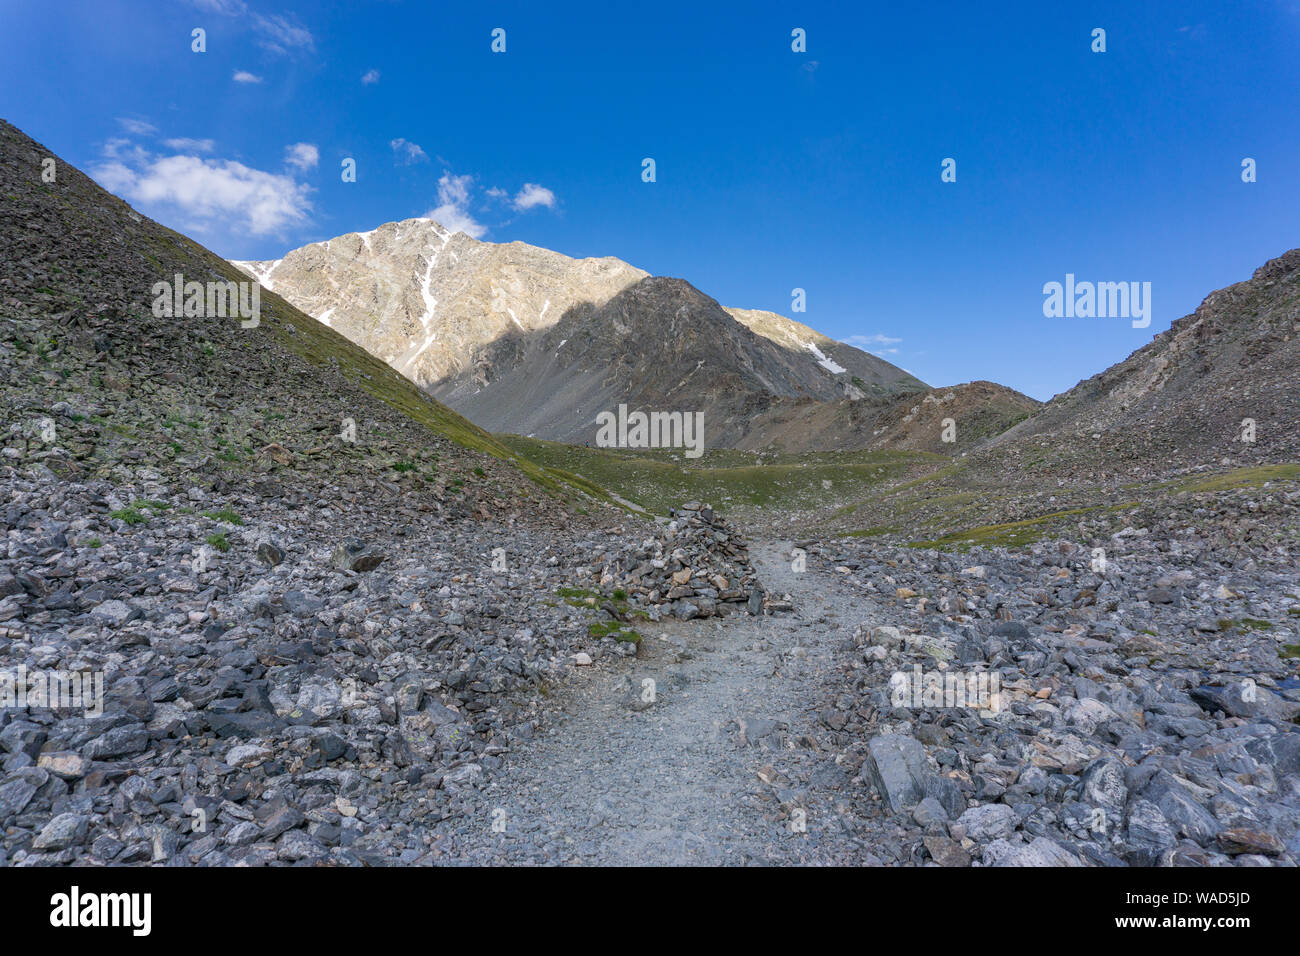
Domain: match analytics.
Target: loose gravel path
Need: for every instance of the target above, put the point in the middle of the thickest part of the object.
(728, 765)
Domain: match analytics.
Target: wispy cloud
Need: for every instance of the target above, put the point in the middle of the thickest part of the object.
(121, 148)
(281, 34)
(278, 33)
(369, 77)
(186, 145)
(136, 127)
(876, 339)
(458, 196)
(406, 153)
(229, 8)
(243, 76)
(302, 155)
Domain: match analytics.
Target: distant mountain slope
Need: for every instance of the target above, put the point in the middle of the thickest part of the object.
(660, 344)
(1182, 398)
(970, 414)
(477, 324)
(872, 376)
(913, 421)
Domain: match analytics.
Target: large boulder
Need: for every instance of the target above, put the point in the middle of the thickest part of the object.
(897, 767)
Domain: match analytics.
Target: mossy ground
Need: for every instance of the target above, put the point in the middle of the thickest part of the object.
(1014, 534)
(658, 480)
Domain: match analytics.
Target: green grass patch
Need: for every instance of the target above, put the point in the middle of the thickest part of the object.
(134, 513)
(218, 541)
(660, 479)
(614, 629)
(1014, 534)
(130, 514)
(1245, 624)
(1240, 478)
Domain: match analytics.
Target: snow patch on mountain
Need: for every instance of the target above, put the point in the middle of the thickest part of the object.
(822, 360)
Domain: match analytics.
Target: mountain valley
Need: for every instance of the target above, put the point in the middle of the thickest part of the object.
(361, 590)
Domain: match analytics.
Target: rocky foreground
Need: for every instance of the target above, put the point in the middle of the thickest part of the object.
(434, 694)
(1149, 694)
(272, 690)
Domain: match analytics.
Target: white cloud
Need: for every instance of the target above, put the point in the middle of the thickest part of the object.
(457, 195)
(452, 211)
(210, 193)
(243, 76)
(137, 127)
(370, 76)
(533, 195)
(407, 153)
(302, 155)
(187, 145)
(280, 33)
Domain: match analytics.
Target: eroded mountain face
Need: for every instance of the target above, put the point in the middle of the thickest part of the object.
(426, 300)
(527, 340)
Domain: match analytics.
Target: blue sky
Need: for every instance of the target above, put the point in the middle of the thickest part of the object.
(775, 169)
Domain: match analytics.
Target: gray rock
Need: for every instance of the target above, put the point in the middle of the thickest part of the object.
(270, 553)
(1147, 827)
(65, 830)
(17, 790)
(897, 767)
(992, 821)
(929, 812)
(356, 556)
(1039, 852)
(1102, 784)
(114, 613)
(1242, 699)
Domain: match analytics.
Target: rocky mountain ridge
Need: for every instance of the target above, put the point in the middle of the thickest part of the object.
(461, 317)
